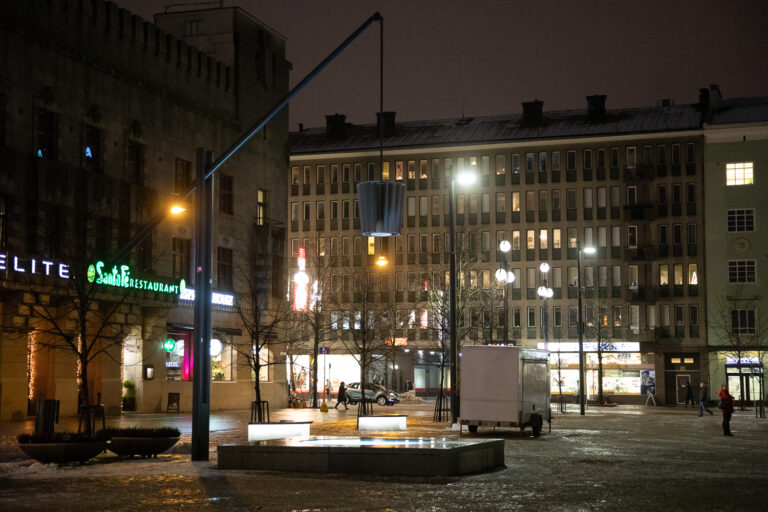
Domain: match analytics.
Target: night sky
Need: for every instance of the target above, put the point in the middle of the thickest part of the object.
(448, 58)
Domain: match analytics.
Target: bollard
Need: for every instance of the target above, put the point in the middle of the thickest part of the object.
(46, 415)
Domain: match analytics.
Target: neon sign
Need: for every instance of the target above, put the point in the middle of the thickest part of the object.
(33, 266)
(169, 345)
(301, 283)
(221, 299)
(123, 279)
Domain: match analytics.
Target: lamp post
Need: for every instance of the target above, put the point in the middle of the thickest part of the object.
(587, 250)
(505, 277)
(464, 178)
(545, 293)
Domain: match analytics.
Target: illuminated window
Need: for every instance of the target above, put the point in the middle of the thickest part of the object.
(261, 207)
(739, 173)
(688, 360)
(741, 271)
(385, 171)
(741, 220)
(222, 359)
(371, 245)
(675, 360)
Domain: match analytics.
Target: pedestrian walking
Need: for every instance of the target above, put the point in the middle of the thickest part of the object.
(726, 407)
(328, 390)
(689, 394)
(703, 400)
(341, 396)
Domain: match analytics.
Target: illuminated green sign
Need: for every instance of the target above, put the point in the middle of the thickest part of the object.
(123, 279)
(169, 345)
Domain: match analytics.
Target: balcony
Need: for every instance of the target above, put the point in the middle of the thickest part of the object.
(638, 174)
(640, 294)
(639, 212)
(642, 253)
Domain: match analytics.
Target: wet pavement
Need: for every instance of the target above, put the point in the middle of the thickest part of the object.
(619, 458)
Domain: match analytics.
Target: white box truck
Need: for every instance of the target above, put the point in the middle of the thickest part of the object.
(504, 386)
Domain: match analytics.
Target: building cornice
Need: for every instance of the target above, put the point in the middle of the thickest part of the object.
(368, 153)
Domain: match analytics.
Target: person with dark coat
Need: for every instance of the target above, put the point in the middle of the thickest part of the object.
(703, 400)
(726, 407)
(341, 396)
(689, 394)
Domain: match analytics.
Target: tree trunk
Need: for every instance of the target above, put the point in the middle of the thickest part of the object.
(84, 411)
(599, 374)
(315, 350)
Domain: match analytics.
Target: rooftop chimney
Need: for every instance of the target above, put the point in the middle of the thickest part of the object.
(596, 108)
(388, 123)
(532, 113)
(335, 126)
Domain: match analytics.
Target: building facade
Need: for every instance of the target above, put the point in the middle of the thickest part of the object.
(735, 154)
(627, 182)
(101, 114)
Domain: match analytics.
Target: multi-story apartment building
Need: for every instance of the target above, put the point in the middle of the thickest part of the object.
(735, 155)
(100, 117)
(626, 182)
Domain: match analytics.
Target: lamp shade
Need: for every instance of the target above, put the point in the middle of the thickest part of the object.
(381, 207)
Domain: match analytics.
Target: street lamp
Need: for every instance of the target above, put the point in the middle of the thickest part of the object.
(464, 178)
(586, 250)
(545, 293)
(505, 277)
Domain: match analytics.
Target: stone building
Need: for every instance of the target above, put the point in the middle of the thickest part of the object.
(627, 182)
(101, 114)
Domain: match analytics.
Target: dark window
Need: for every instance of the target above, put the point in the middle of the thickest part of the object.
(4, 206)
(92, 150)
(47, 137)
(742, 321)
(226, 191)
(741, 271)
(570, 160)
(134, 162)
(3, 118)
(741, 219)
(182, 250)
(183, 174)
(145, 255)
(225, 268)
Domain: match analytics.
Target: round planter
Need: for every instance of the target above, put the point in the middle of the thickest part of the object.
(61, 453)
(142, 446)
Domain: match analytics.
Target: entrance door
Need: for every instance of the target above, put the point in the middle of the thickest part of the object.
(682, 380)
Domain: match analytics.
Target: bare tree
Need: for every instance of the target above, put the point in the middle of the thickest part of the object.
(264, 309)
(596, 327)
(362, 338)
(736, 328)
(314, 323)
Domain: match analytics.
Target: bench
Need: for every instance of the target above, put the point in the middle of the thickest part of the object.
(382, 423)
(280, 430)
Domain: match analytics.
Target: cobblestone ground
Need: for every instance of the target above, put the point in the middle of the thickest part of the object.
(622, 458)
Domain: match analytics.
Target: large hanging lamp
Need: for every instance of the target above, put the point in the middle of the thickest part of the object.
(381, 207)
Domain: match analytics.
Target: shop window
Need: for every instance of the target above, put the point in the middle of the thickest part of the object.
(222, 357)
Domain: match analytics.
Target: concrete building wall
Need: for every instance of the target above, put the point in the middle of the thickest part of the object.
(732, 143)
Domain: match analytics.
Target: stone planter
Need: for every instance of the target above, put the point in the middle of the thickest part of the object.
(141, 446)
(62, 453)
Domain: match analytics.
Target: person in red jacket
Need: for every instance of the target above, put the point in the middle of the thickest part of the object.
(726, 407)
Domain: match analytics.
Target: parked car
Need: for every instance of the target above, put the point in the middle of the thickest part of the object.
(373, 393)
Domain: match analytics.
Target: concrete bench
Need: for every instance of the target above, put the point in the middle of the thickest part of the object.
(281, 430)
(382, 423)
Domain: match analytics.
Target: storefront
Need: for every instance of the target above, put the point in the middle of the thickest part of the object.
(626, 378)
(743, 374)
